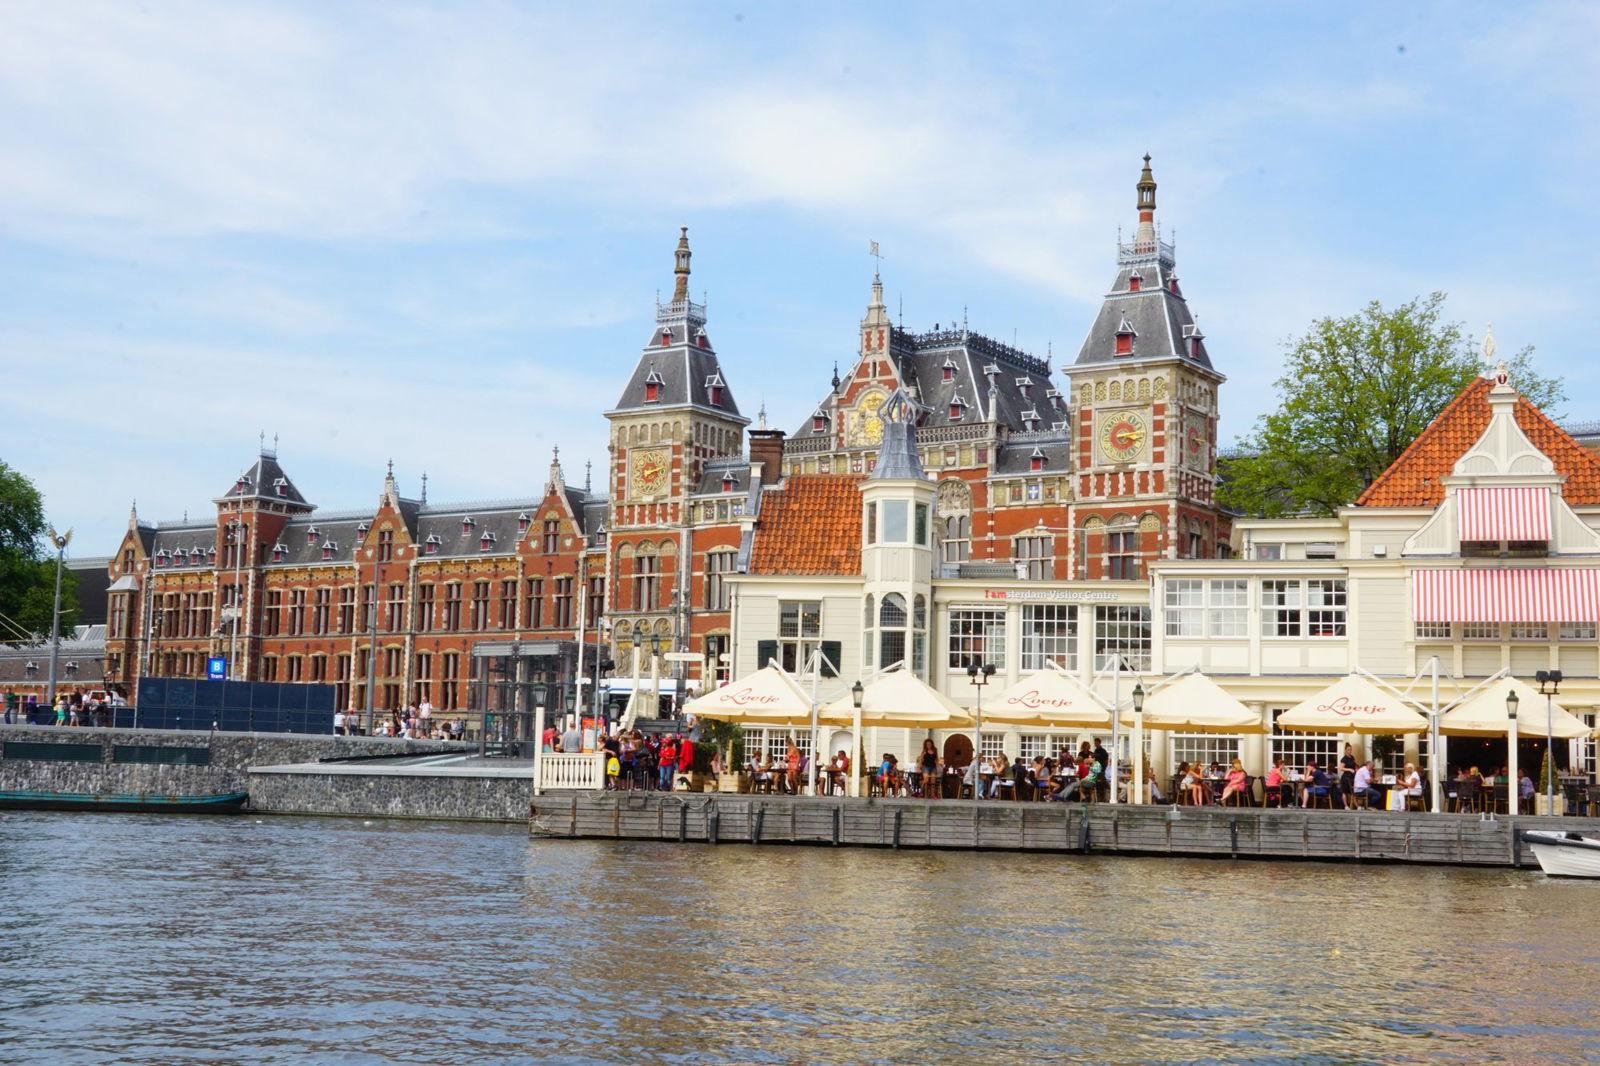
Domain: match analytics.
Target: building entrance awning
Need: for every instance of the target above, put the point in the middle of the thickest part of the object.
(1506, 595)
(1517, 513)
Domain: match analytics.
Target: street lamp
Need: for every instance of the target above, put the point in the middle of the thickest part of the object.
(1513, 785)
(858, 696)
(1138, 742)
(979, 677)
(1549, 685)
(60, 541)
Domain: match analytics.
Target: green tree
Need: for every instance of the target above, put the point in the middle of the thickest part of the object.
(27, 565)
(1354, 394)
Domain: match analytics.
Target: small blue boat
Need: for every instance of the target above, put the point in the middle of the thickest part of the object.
(149, 803)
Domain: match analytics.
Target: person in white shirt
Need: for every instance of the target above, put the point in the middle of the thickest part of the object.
(338, 723)
(1363, 785)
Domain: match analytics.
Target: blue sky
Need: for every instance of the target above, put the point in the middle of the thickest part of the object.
(435, 232)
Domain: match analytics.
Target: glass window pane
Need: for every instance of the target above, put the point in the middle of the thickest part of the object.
(894, 521)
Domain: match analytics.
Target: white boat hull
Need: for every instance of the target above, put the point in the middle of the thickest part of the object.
(1560, 856)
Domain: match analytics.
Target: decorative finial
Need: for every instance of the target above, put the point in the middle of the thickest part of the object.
(762, 414)
(680, 267)
(1489, 345)
(836, 375)
(588, 473)
(877, 257)
(390, 471)
(262, 436)
(424, 487)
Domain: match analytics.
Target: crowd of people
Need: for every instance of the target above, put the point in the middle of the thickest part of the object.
(634, 761)
(76, 708)
(415, 722)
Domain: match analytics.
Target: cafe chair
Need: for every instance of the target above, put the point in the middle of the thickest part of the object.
(1316, 797)
(1466, 797)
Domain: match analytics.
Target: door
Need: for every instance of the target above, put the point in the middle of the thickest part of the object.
(958, 751)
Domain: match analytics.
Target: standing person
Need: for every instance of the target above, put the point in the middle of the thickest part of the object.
(791, 769)
(667, 761)
(548, 741)
(928, 766)
(11, 704)
(685, 754)
(572, 737)
(425, 712)
(338, 723)
(1347, 774)
(61, 709)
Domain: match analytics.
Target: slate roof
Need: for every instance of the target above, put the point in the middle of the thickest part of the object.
(1159, 314)
(1016, 453)
(1413, 479)
(1021, 381)
(685, 368)
(261, 482)
(711, 478)
(811, 525)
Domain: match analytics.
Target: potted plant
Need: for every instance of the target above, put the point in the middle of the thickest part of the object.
(726, 739)
(1549, 783)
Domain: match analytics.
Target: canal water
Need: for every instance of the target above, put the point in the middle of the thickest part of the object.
(216, 940)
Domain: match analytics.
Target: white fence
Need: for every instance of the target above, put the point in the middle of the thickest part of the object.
(558, 771)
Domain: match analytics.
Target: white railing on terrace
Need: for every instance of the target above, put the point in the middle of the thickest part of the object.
(580, 771)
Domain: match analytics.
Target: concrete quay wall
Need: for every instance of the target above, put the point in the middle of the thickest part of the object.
(230, 757)
(1363, 836)
(448, 793)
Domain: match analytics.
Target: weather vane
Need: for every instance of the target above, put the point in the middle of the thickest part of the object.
(872, 250)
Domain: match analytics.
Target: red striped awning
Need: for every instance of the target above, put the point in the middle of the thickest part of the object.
(1505, 595)
(1504, 513)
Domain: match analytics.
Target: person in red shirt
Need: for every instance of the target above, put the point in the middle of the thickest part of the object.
(668, 762)
(685, 755)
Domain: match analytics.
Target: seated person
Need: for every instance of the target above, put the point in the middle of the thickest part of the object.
(997, 772)
(1411, 780)
(1236, 781)
(1276, 782)
(1191, 787)
(1363, 788)
(1156, 795)
(1319, 784)
(1039, 775)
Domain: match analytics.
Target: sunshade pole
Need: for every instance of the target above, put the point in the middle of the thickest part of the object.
(1435, 755)
(1115, 769)
(816, 740)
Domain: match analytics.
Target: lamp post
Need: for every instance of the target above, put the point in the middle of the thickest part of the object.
(372, 644)
(979, 677)
(60, 541)
(858, 695)
(655, 675)
(1549, 685)
(1511, 750)
(1138, 742)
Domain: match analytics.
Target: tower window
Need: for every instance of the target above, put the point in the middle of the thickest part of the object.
(486, 541)
(819, 422)
(1036, 460)
(716, 395)
(467, 522)
(1135, 280)
(949, 370)
(666, 337)
(652, 392)
(312, 534)
(328, 548)
(280, 487)
(431, 545)
(1124, 344)
(956, 406)
(523, 521)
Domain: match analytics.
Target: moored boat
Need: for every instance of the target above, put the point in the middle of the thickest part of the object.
(1564, 854)
(148, 803)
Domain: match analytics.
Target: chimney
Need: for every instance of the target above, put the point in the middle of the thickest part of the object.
(766, 449)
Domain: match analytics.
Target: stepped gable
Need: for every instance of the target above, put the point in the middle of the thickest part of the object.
(811, 525)
(1414, 479)
(678, 366)
(1145, 300)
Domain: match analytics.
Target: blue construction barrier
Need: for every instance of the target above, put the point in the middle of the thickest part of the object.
(236, 706)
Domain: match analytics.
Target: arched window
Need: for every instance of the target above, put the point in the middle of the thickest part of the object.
(892, 630)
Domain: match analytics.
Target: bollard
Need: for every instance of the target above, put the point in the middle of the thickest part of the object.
(683, 823)
(755, 828)
(1233, 836)
(1083, 833)
(897, 815)
(712, 825)
(838, 819)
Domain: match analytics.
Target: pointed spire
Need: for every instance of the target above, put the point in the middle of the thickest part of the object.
(761, 416)
(588, 476)
(836, 375)
(1147, 205)
(557, 482)
(424, 487)
(680, 267)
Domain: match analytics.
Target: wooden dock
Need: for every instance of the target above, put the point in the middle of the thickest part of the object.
(1241, 833)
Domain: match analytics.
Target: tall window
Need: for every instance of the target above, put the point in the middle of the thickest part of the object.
(645, 579)
(508, 604)
(1123, 631)
(1325, 608)
(1282, 614)
(1122, 554)
(1315, 608)
(119, 616)
(1297, 749)
(395, 609)
(425, 617)
(392, 661)
(1185, 607)
(533, 613)
(450, 675)
(295, 665)
(1033, 552)
(423, 683)
(369, 607)
(385, 545)
(799, 632)
(561, 603)
(319, 611)
(319, 668)
(269, 668)
(452, 607)
(718, 668)
(271, 613)
(718, 564)
(977, 635)
(956, 544)
(552, 536)
(893, 619)
(347, 609)
(597, 600)
(480, 605)
(297, 612)
(1049, 634)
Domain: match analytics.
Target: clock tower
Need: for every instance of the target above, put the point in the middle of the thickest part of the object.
(1144, 402)
(676, 414)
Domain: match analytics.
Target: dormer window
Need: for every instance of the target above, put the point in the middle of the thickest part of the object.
(524, 520)
(728, 481)
(666, 336)
(161, 557)
(652, 387)
(486, 541)
(949, 370)
(1192, 338)
(1125, 335)
(700, 339)
(361, 530)
(1024, 383)
(957, 404)
(467, 524)
(280, 487)
(1030, 420)
(196, 556)
(1036, 460)
(280, 552)
(312, 534)
(1135, 280)
(819, 422)
(431, 545)
(328, 548)
(714, 387)
(1172, 285)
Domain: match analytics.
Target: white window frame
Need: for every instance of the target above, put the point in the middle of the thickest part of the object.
(1228, 607)
(1116, 633)
(1184, 603)
(965, 644)
(1432, 631)
(1049, 634)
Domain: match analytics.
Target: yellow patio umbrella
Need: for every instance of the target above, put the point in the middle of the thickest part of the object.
(897, 699)
(1353, 704)
(1048, 699)
(1484, 714)
(1193, 703)
(768, 697)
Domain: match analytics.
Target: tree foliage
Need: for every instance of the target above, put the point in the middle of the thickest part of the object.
(1355, 392)
(27, 566)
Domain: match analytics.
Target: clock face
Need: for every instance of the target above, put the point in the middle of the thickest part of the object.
(866, 425)
(649, 473)
(1194, 441)
(1122, 435)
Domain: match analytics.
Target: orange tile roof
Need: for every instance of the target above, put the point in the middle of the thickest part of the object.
(1413, 479)
(812, 525)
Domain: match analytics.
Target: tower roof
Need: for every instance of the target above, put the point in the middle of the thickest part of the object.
(265, 480)
(897, 452)
(1145, 300)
